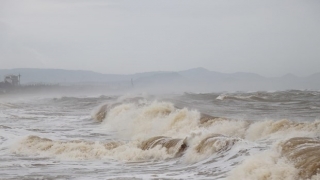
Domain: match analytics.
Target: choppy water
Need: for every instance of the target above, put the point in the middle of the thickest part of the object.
(258, 135)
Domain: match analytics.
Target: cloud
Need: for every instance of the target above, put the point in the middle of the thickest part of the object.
(270, 37)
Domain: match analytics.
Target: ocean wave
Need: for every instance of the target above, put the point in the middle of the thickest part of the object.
(281, 129)
(70, 149)
(215, 143)
(266, 165)
(9, 105)
(149, 119)
(88, 150)
(304, 153)
(145, 130)
(4, 127)
(173, 146)
(244, 98)
(278, 96)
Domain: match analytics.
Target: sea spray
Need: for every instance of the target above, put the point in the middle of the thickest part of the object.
(156, 139)
(133, 121)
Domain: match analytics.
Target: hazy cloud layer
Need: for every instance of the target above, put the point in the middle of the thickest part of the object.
(266, 37)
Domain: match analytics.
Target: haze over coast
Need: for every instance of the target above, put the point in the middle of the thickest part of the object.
(196, 79)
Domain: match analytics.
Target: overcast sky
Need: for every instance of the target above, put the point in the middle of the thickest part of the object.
(270, 37)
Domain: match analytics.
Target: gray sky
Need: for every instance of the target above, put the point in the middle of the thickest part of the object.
(270, 37)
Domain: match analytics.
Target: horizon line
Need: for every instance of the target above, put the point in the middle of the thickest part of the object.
(161, 71)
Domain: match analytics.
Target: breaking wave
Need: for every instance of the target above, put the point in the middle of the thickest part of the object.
(241, 98)
(156, 130)
(304, 153)
(70, 149)
(85, 150)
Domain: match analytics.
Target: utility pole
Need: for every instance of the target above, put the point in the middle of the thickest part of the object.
(19, 79)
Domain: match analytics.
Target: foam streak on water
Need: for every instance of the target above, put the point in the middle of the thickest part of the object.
(259, 135)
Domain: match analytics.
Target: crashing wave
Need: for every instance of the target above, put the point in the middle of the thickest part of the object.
(215, 143)
(304, 153)
(147, 130)
(241, 98)
(69, 149)
(173, 146)
(101, 113)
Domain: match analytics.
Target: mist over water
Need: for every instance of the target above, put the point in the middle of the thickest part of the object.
(232, 90)
(242, 135)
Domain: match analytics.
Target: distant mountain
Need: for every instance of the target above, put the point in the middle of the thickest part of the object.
(203, 75)
(246, 76)
(196, 79)
(170, 80)
(315, 77)
(313, 80)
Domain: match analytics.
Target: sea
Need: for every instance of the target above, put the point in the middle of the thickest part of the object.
(233, 136)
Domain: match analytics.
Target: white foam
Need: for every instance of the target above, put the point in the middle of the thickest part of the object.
(134, 121)
(267, 165)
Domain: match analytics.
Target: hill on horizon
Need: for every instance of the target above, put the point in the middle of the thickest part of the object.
(196, 79)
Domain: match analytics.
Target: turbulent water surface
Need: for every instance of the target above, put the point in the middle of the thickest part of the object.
(258, 135)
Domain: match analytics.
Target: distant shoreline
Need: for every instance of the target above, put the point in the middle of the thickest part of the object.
(42, 88)
(196, 80)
